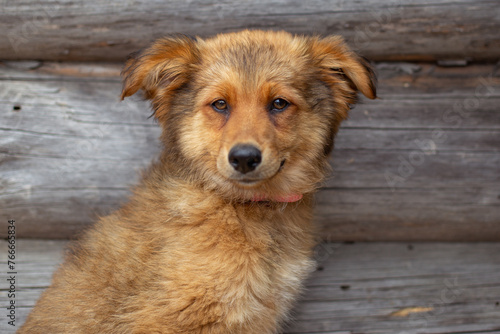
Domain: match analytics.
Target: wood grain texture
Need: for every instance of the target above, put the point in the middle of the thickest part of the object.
(381, 30)
(369, 288)
(420, 163)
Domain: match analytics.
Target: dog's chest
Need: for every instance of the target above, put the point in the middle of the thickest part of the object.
(285, 258)
(265, 277)
(251, 266)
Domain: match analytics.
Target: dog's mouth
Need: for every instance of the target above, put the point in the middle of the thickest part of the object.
(253, 181)
(256, 189)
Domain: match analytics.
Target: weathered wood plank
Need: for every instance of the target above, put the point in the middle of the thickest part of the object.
(370, 288)
(412, 165)
(446, 214)
(390, 30)
(359, 288)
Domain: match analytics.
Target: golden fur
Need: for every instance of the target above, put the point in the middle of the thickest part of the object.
(191, 252)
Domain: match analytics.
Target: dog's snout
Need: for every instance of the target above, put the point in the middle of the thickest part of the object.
(245, 158)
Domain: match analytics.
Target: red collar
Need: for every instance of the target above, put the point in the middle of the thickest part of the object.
(280, 199)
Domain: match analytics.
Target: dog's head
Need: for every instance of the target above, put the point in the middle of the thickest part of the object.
(250, 114)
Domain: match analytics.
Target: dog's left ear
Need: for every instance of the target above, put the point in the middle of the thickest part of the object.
(159, 69)
(339, 61)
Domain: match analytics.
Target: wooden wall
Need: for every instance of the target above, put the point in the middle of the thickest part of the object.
(420, 163)
(380, 29)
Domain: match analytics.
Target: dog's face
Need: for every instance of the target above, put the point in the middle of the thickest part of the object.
(250, 114)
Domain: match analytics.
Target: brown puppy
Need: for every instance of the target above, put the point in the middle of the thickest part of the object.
(208, 243)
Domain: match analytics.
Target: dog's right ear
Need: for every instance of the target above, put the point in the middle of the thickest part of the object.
(159, 69)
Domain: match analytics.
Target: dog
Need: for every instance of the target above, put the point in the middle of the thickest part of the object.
(217, 237)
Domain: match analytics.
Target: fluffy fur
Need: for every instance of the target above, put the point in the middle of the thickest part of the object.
(191, 252)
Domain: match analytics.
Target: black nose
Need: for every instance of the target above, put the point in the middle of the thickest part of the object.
(244, 158)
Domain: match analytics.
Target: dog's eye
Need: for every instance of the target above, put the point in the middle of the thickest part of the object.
(279, 105)
(220, 106)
